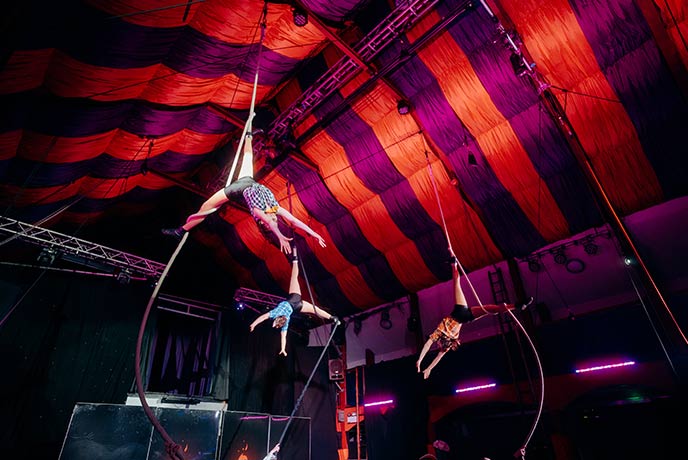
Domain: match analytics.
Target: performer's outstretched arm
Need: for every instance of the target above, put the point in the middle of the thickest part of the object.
(296, 222)
(283, 343)
(259, 320)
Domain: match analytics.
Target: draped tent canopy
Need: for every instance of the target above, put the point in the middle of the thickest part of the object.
(97, 94)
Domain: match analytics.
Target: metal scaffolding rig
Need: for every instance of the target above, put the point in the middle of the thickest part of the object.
(66, 244)
(396, 23)
(257, 298)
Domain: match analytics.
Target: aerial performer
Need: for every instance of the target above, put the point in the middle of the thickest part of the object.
(447, 332)
(281, 314)
(259, 199)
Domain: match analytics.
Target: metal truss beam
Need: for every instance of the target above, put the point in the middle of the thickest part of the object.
(82, 248)
(396, 23)
(257, 298)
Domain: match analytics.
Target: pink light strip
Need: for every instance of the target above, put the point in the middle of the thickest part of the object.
(477, 387)
(379, 403)
(606, 366)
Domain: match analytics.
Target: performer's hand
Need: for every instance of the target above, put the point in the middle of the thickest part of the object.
(418, 366)
(321, 240)
(283, 353)
(284, 244)
(252, 327)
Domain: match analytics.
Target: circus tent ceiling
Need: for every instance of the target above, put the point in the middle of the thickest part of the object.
(107, 106)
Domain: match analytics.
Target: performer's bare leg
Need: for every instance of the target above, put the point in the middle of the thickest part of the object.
(219, 198)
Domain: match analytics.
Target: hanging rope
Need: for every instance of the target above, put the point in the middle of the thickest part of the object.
(251, 113)
(522, 451)
(173, 449)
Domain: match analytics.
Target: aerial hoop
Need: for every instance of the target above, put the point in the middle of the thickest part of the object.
(173, 449)
(522, 451)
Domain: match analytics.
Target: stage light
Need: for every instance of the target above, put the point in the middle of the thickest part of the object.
(575, 266)
(471, 159)
(605, 367)
(590, 247)
(475, 387)
(123, 277)
(300, 17)
(239, 306)
(385, 322)
(559, 256)
(518, 64)
(534, 265)
(403, 107)
(628, 260)
(47, 256)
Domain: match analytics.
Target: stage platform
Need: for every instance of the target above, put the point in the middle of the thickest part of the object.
(205, 430)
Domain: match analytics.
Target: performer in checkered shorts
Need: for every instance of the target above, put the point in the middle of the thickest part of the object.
(260, 200)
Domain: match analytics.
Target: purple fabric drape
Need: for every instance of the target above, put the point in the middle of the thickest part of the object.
(500, 211)
(518, 102)
(343, 229)
(630, 60)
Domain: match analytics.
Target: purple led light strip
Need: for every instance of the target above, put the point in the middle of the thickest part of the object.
(605, 366)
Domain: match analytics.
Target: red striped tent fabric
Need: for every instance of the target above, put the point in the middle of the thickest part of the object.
(95, 93)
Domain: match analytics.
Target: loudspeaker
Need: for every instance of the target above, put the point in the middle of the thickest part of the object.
(336, 367)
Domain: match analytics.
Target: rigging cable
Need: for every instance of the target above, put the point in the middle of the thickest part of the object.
(16, 304)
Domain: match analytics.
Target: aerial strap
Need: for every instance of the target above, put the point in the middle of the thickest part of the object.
(446, 230)
(249, 122)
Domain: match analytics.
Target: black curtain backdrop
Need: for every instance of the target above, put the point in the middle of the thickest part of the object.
(183, 355)
(71, 339)
(319, 401)
(399, 432)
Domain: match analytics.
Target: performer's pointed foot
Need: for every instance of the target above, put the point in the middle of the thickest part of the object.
(525, 304)
(176, 233)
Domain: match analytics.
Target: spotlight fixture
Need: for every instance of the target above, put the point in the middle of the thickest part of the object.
(575, 266)
(385, 322)
(518, 64)
(590, 247)
(471, 159)
(403, 107)
(300, 17)
(239, 305)
(534, 265)
(47, 256)
(123, 277)
(559, 256)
